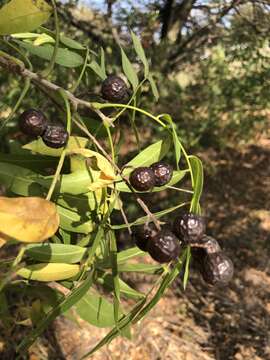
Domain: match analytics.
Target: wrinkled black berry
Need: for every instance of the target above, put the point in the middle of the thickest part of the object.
(164, 246)
(114, 89)
(217, 269)
(141, 236)
(55, 136)
(209, 246)
(163, 173)
(189, 228)
(33, 122)
(142, 179)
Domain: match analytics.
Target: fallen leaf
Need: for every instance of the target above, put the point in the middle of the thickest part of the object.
(29, 219)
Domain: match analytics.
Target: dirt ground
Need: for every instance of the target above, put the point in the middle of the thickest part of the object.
(201, 323)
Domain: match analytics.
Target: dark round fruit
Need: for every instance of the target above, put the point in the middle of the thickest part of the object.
(189, 228)
(209, 245)
(33, 122)
(142, 179)
(141, 236)
(164, 246)
(163, 173)
(114, 89)
(55, 136)
(217, 269)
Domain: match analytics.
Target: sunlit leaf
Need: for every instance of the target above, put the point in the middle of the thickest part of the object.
(28, 219)
(64, 57)
(23, 15)
(43, 39)
(55, 253)
(143, 268)
(49, 272)
(153, 153)
(38, 146)
(197, 172)
(129, 70)
(140, 52)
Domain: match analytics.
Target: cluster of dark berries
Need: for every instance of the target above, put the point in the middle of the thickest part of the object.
(145, 178)
(34, 123)
(114, 89)
(189, 229)
(215, 267)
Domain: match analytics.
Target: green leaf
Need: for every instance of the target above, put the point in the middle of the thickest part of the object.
(186, 274)
(140, 52)
(97, 69)
(107, 281)
(129, 71)
(61, 307)
(153, 87)
(23, 15)
(177, 176)
(55, 253)
(75, 183)
(72, 221)
(66, 236)
(82, 204)
(197, 171)
(38, 146)
(176, 141)
(96, 310)
(19, 180)
(73, 44)
(153, 153)
(49, 271)
(64, 57)
(128, 254)
(29, 161)
(143, 268)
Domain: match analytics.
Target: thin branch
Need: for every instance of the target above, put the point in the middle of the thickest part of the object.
(9, 64)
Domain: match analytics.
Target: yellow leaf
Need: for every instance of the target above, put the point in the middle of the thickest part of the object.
(99, 184)
(49, 271)
(102, 163)
(29, 219)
